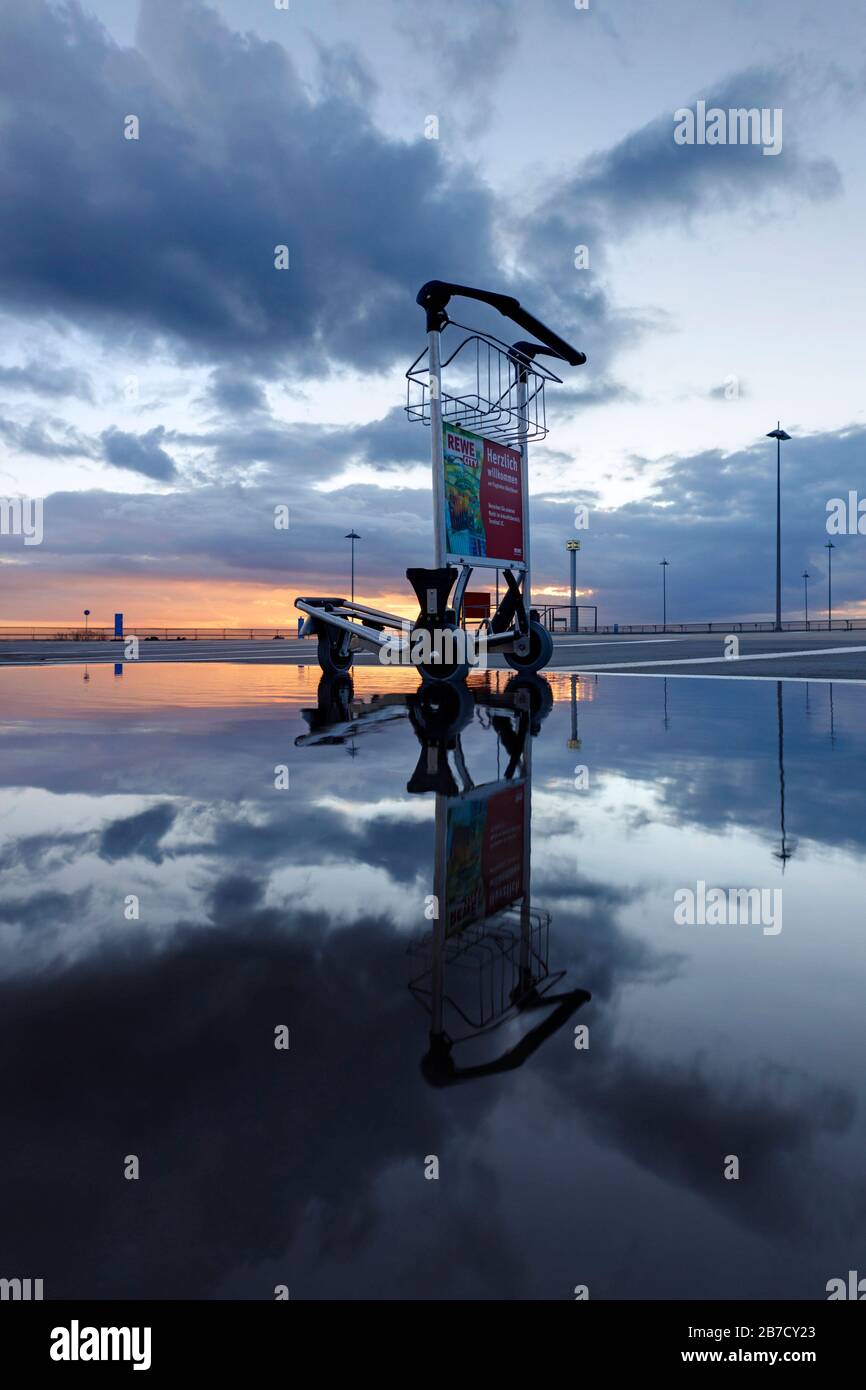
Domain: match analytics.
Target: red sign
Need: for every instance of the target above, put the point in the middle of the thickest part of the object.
(485, 856)
(483, 497)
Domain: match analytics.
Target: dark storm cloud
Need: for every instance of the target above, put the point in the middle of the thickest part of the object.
(47, 438)
(236, 394)
(138, 834)
(174, 234)
(647, 176)
(312, 453)
(140, 453)
(41, 379)
(175, 1038)
(318, 1136)
(708, 502)
(44, 909)
(724, 505)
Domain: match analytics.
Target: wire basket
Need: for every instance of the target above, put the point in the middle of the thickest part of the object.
(488, 964)
(480, 379)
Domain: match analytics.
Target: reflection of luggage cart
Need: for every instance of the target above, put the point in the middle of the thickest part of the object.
(484, 402)
(485, 964)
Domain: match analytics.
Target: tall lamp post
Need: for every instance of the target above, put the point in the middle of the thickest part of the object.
(573, 547)
(829, 547)
(664, 565)
(806, 577)
(352, 536)
(86, 616)
(778, 434)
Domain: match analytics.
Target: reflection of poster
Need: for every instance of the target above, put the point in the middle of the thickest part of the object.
(484, 856)
(483, 497)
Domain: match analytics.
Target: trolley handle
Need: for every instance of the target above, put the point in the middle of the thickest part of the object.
(434, 296)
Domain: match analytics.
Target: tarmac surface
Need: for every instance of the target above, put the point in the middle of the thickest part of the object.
(813, 655)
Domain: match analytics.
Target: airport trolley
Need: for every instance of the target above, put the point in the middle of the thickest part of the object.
(483, 401)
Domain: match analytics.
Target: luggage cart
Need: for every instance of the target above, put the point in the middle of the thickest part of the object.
(483, 401)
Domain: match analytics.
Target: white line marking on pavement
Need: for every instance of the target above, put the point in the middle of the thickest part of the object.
(626, 642)
(689, 676)
(732, 661)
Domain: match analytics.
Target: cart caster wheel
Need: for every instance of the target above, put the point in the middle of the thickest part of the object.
(532, 693)
(442, 709)
(437, 672)
(331, 660)
(445, 675)
(539, 654)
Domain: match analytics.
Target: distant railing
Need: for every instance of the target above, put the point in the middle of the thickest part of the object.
(556, 617)
(839, 625)
(164, 634)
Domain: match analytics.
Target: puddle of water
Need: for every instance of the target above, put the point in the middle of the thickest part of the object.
(168, 903)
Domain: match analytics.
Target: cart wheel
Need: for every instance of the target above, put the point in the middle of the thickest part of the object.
(439, 671)
(442, 709)
(331, 660)
(536, 694)
(539, 654)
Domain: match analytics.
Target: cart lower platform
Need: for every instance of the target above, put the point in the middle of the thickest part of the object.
(435, 644)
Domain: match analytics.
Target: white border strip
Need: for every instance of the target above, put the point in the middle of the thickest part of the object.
(690, 676)
(733, 661)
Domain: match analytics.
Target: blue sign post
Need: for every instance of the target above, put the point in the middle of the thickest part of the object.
(118, 624)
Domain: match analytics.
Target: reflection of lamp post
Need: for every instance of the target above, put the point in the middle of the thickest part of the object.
(353, 536)
(787, 847)
(829, 547)
(664, 564)
(573, 547)
(806, 577)
(574, 741)
(778, 434)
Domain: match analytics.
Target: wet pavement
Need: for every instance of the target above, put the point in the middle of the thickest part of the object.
(459, 913)
(813, 655)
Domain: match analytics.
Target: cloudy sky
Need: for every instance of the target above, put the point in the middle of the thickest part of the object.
(163, 386)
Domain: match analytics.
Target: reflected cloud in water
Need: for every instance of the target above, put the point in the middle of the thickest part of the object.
(558, 1165)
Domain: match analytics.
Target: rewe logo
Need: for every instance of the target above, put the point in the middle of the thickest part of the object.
(739, 126)
(846, 519)
(76, 1343)
(855, 1288)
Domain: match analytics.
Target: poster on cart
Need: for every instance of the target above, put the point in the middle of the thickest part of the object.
(483, 500)
(485, 853)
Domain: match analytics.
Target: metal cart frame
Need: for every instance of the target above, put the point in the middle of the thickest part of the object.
(507, 409)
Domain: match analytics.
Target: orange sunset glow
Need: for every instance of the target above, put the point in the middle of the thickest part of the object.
(153, 601)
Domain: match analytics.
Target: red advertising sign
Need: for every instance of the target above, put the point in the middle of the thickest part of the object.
(483, 498)
(485, 856)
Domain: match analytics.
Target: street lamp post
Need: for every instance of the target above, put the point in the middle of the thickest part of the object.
(664, 565)
(573, 547)
(806, 577)
(352, 536)
(778, 434)
(86, 616)
(829, 547)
